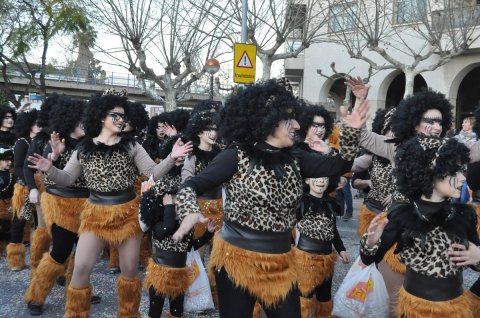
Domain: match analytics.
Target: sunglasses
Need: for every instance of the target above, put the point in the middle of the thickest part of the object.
(117, 116)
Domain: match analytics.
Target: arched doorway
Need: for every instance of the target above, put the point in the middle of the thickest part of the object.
(468, 96)
(397, 88)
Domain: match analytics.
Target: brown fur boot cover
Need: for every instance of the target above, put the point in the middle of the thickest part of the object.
(65, 212)
(40, 245)
(257, 310)
(364, 218)
(213, 210)
(20, 193)
(313, 269)
(414, 307)
(16, 255)
(167, 281)
(306, 306)
(475, 302)
(323, 309)
(43, 279)
(112, 223)
(145, 250)
(393, 261)
(269, 277)
(78, 302)
(113, 256)
(129, 294)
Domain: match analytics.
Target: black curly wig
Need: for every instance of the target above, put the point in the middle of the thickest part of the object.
(253, 113)
(137, 116)
(97, 109)
(65, 115)
(379, 121)
(199, 122)
(5, 109)
(309, 111)
(153, 123)
(24, 123)
(47, 105)
(409, 113)
(179, 119)
(206, 105)
(422, 160)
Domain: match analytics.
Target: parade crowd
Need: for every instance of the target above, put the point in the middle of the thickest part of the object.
(258, 182)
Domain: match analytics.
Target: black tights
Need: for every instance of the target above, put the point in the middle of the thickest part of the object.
(156, 304)
(236, 302)
(476, 287)
(63, 242)
(323, 292)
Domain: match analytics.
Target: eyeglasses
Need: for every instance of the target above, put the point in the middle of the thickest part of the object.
(117, 116)
(431, 121)
(318, 125)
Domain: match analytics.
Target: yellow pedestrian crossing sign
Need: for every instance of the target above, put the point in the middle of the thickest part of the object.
(244, 59)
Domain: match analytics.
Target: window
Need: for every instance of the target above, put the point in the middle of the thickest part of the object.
(408, 11)
(342, 17)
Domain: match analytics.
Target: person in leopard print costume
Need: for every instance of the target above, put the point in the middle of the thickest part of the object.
(252, 258)
(110, 164)
(429, 171)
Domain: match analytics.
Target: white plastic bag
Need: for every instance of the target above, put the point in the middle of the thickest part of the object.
(362, 293)
(198, 296)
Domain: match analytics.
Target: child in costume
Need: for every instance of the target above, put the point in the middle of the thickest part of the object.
(7, 181)
(429, 171)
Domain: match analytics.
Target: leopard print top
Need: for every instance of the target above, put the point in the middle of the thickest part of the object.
(60, 164)
(317, 225)
(381, 178)
(168, 244)
(109, 173)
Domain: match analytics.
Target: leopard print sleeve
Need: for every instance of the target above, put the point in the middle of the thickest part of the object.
(349, 139)
(186, 202)
(365, 249)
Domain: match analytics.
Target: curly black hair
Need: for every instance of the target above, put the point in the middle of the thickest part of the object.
(4, 110)
(65, 115)
(254, 112)
(24, 123)
(179, 119)
(47, 105)
(379, 121)
(97, 109)
(309, 111)
(153, 123)
(199, 122)
(137, 115)
(417, 166)
(408, 114)
(206, 105)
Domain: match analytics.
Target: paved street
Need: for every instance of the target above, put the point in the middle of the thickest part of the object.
(14, 284)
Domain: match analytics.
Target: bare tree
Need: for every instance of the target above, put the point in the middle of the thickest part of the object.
(162, 42)
(25, 26)
(413, 36)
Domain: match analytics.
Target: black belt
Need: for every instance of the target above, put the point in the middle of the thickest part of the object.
(374, 205)
(212, 194)
(314, 246)
(66, 192)
(21, 182)
(255, 240)
(170, 258)
(432, 288)
(111, 198)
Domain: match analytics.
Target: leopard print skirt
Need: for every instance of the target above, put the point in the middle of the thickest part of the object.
(65, 212)
(112, 223)
(313, 269)
(412, 306)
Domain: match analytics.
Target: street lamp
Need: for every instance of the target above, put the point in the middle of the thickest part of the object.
(212, 67)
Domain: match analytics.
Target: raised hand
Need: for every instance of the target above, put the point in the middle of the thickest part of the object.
(187, 225)
(170, 130)
(358, 117)
(358, 87)
(375, 229)
(180, 149)
(58, 146)
(318, 145)
(40, 163)
(462, 256)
